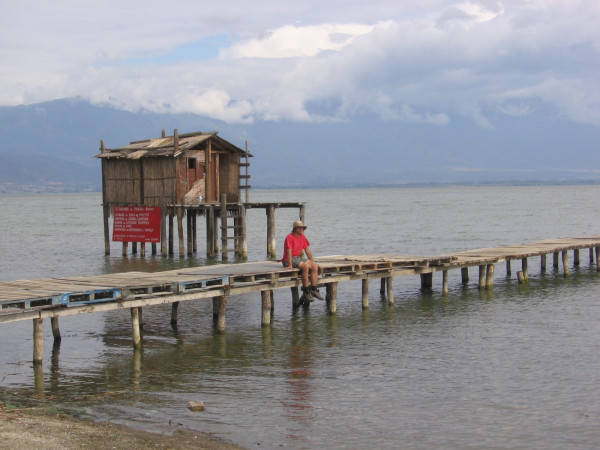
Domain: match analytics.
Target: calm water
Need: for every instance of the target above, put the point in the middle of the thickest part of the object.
(518, 366)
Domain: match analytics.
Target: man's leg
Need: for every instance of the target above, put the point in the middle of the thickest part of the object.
(314, 279)
(307, 292)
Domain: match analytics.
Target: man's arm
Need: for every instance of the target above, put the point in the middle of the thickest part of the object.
(309, 254)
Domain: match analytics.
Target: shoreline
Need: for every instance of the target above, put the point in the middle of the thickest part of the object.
(25, 428)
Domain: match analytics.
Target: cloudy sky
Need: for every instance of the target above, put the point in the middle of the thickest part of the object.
(415, 61)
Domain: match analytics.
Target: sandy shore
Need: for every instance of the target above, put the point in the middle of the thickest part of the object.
(26, 429)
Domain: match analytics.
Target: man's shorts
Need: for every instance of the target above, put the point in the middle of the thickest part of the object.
(296, 260)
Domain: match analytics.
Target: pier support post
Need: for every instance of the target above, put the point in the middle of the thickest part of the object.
(243, 231)
(163, 231)
(221, 322)
(331, 297)
(543, 263)
(520, 277)
(445, 282)
(382, 287)
(271, 250)
(508, 271)
(55, 329)
(489, 276)
(180, 231)
(525, 268)
(464, 274)
(597, 260)
(427, 280)
(38, 340)
(224, 227)
(365, 293)
(266, 308)
(171, 217)
(135, 327)
(190, 234)
(106, 213)
(555, 260)
(591, 255)
(295, 297)
(576, 257)
(565, 261)
(390, 290)
(194, 214)
(482, 273)
(174, 310)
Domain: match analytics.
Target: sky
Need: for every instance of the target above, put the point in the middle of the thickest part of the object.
(411, 61)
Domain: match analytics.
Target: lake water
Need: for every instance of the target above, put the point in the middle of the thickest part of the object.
(513, 367)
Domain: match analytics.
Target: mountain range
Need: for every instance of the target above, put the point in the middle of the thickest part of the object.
(49, 147)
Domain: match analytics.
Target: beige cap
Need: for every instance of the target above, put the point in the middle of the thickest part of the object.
(298, 224)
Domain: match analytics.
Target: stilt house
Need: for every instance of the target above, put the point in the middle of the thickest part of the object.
(186, 169)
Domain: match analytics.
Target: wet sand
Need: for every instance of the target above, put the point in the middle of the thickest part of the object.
(26, 429)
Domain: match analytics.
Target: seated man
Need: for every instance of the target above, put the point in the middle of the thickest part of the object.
(295, 244)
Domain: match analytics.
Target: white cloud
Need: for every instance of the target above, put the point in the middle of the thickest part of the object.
(419, 61)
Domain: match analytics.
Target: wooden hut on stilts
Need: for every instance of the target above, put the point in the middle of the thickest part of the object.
(180, 178)
(186, 176)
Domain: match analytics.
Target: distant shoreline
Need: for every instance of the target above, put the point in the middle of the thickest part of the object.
(49, 190)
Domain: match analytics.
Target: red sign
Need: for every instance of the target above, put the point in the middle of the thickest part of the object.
(136, 224)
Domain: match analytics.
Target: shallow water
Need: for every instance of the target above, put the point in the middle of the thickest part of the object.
(516, 366)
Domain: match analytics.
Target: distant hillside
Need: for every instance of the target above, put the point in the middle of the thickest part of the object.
(49, 146)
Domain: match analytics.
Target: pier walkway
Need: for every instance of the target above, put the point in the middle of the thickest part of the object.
(52, 298)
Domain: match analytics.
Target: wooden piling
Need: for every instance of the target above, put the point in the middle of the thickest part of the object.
(221, 322)
(555, 260)
(194, 230)
(591, 255)
(543, 263)
(508, 271)
(171, 244)
(135, 327)
(124, 249)
(489, 276)
(482, 273)
(382, 287)
(243, 232)
(38, 340)
(266, 308)
(174, 311)
(426, 280)
(464, 273)
(365, 293)
(576, 257)
(106, 214)
(55, 329)
(190, 234)
(180, 237)
(295, 296)
(163, 231)
(224, 249)
(445, 282)
(520, 277)
(598, 259)
(565, 261)
(331, 297)
(524, 268)
(390, 290)
(271, 250)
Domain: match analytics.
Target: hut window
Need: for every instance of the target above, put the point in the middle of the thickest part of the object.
(191, 163)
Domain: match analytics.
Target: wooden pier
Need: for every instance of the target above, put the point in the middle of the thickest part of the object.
(52, 298)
